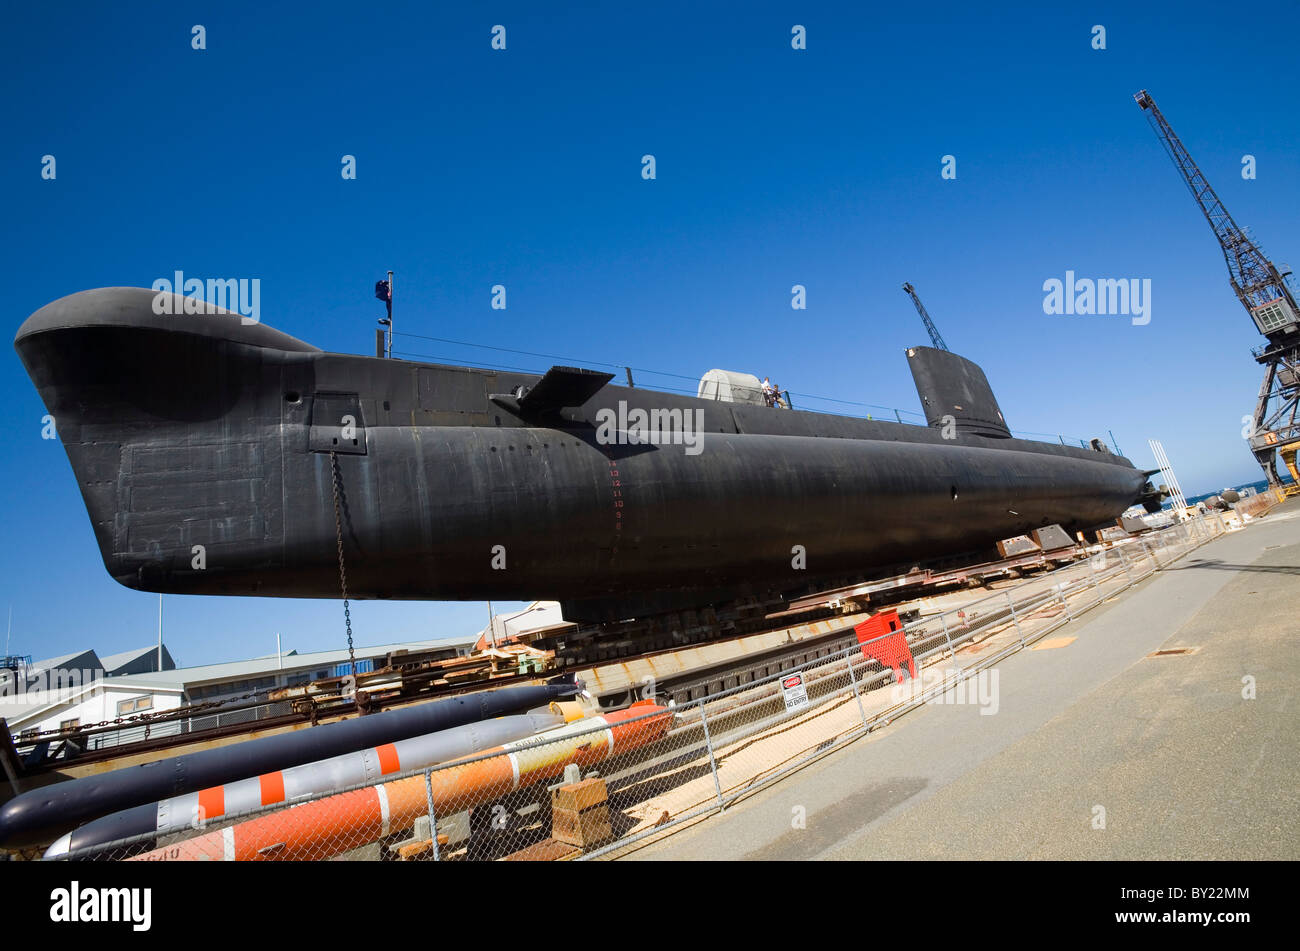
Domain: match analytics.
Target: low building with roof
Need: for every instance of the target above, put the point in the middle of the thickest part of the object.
(70, 698)
(142, 660)
(509, 628)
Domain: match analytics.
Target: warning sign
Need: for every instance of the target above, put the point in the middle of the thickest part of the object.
(792, 690)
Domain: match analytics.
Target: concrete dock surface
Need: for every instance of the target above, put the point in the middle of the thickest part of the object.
(1097, 750)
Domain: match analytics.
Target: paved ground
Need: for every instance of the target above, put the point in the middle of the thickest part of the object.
(1184, 766)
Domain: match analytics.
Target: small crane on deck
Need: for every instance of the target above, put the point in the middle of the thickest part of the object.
(925, 318)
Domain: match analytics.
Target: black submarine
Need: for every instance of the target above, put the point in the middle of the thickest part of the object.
(210, 450)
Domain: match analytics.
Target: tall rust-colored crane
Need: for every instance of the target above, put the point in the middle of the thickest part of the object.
(1267, 296)
(925, 318)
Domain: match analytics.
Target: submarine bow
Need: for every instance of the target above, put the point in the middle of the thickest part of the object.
(205, 447)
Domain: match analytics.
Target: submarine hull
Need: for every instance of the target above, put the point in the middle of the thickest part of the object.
(210, 454)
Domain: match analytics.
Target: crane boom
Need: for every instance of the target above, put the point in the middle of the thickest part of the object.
(925, 318)
(1267, 297)
(1258, 284)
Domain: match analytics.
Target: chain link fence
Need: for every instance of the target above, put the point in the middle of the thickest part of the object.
(592, 786)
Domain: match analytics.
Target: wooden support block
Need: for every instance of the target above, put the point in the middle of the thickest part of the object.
(586, 828)
(548, 850)
(580, 813)
(419, 849)
(579, 796)
(415, 850)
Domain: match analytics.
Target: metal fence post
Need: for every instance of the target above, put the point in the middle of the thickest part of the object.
(1065, 603)
(1151, 554)
(1015, 617)
(943, 619)
(713, 763)
(433, 818)
(1124, 561)
(848, 659)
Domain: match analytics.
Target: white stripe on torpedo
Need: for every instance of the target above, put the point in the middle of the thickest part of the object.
(382, 793)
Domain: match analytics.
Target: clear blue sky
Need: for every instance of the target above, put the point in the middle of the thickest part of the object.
(523, 167)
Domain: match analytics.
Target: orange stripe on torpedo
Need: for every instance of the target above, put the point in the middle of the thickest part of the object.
(212, 802)
(272, 787)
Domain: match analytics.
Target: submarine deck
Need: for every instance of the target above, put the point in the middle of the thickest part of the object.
(1183, 764)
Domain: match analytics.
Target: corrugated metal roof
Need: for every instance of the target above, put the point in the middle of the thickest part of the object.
(114, 661)
(263, 666)
(62, 661)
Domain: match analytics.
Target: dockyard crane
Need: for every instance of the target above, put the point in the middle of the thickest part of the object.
(925, 318)
(1266, 294)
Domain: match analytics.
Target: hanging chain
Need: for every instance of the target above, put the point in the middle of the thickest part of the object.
(343, 574)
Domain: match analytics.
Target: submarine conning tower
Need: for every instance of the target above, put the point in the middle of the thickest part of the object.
(952, 386)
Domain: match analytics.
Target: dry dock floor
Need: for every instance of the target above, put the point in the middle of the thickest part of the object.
(1183, 764)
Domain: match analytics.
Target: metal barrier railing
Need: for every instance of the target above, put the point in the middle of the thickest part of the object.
(604, 784)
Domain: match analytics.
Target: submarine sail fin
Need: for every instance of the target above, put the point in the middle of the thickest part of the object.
(561, 388)
(949, 385)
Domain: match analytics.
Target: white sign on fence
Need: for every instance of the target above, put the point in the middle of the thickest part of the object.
(793, 692)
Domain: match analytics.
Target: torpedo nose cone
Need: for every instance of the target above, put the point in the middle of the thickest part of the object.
(61, 847)
(21, 819)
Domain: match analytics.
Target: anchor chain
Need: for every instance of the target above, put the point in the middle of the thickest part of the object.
(343, 574)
